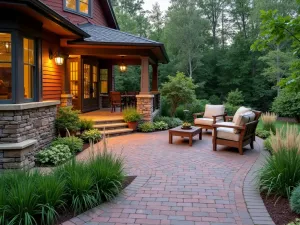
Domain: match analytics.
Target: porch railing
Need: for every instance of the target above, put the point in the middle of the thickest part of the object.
(156, 101)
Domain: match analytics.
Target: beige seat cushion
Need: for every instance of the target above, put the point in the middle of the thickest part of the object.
(205, 121)
(213, 110)
(240, 111)
(227, 133)
(243, 119)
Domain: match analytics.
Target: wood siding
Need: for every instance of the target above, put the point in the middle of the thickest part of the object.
(52, 74)
(97, 16)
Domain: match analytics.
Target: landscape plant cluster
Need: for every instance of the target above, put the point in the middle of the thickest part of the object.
(280, 175)
(76, 130)
(160, 123)
(33, 198)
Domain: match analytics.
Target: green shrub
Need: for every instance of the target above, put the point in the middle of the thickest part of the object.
(235, 98)
(214, 100)
(92, 136)
(86, 124)
(262, 133)
(130, 114)
(51, 197)
(196, 107)
(267, 144)
(146, 127)
(75, 144)
(281, 172)
(67, 119)
(231, 109)
(295, 200)
(108, 171)
(54, 155)
(80, 185)
(296, 222)
(287, 104)
(172, 122)
(160, 125)
(164, 107)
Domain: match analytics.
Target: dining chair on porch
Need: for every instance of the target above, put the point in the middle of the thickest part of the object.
(116, 100)
(132, 98)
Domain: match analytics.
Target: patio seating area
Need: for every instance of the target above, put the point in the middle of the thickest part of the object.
(179, 184)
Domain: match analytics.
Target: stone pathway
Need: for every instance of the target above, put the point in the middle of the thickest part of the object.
(176, 184)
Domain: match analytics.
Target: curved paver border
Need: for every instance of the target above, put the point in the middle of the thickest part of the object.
(254, 202)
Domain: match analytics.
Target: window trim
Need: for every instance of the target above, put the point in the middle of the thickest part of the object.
(77, 11)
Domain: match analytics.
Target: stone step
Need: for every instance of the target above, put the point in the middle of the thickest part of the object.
(117, 132)
(108, 121)
(110, 126)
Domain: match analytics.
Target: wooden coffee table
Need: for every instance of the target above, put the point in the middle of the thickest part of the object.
(177, 131)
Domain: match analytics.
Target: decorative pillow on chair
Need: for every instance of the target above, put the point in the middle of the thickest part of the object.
(243, 119)
(240, 111)
(213, 110)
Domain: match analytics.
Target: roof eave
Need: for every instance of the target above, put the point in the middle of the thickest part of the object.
(51, 14)
(113, 14)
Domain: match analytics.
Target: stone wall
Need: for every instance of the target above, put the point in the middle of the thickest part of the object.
(145, 106)
(19, 124)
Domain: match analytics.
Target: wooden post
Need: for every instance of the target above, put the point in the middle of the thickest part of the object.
(154, 78)
(144, 75)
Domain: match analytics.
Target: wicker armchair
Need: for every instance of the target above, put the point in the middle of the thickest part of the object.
(238, 133)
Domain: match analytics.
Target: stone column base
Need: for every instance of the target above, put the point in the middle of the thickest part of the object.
(66, 100)
(145, 106)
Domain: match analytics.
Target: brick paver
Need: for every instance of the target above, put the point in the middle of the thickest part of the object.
(176, 184)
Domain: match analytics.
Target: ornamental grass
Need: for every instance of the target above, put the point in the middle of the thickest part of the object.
(281, 172)
(268, 120)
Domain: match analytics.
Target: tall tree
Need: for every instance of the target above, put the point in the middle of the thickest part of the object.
(156, 19)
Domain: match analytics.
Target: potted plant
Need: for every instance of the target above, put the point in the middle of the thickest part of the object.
(67, 120)
(131, 117)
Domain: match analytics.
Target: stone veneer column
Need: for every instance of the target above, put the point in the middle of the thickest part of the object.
(145, 106)
(66, 100)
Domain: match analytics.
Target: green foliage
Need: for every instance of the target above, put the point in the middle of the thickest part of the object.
(235, 98)
(172, 122)
(108, 171)
(296, 222)
(214, 100)
(264, 134)
(92, 136)
(178, 90)
(75, 144)
(54, 155)
(160, 125)
(295, 200)
(194, 107)
(287, 104)
(130, 114)
(146, 127)
(269, 127)
(67, 119)
(164, 106)
(267, 144)
(231, 109)
(86, 124)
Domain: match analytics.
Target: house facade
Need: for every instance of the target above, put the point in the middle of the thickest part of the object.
(61, 53)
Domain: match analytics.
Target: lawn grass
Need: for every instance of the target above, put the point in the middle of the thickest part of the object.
(279, 124)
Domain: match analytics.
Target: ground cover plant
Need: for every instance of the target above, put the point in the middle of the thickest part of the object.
(75, 144)
(146, 127)
(171, 121)
(32, 198)
(295, 200)
(54, 155)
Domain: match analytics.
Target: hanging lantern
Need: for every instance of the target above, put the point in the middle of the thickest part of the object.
(123, 67)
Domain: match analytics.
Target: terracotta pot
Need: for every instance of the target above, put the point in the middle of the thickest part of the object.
(132, 125)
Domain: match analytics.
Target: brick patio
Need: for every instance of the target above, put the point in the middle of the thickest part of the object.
(176, 184)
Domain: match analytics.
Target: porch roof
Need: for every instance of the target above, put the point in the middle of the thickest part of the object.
(104, 36)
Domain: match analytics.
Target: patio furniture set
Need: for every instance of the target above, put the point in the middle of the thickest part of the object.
(118, 99)
(234, 131)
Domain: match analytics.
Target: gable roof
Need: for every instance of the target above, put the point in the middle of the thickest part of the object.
(107, 35)
(109, 13)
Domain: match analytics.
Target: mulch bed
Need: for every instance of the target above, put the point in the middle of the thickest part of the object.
(279, 210)
(68, 214)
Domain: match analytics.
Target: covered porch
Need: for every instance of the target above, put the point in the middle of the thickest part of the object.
(90, 75)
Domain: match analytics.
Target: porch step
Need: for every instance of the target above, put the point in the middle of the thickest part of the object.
(110, 126)
(108, 121)
(117, 132)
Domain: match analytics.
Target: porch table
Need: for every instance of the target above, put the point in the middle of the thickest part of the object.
(128, 98)
(177, 131)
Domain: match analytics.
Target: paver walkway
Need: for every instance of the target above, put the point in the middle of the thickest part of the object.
(176, 184)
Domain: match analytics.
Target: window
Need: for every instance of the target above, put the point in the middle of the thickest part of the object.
(87, 80)
(5, 67)
(74, 79)
(79, 6)
(103, 81)
(95, 81)
(29, 67)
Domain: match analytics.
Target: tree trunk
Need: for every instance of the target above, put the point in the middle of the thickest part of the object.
(190, 66)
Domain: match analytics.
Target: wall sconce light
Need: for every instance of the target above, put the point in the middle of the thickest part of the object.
(123, 67)
(58, 57)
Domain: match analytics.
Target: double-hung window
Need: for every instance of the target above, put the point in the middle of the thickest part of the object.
(78, 6)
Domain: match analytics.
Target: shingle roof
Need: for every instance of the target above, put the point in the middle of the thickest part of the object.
(107, 35)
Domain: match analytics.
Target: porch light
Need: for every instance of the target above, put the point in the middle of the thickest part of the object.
(58, 58)
(123, 67)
